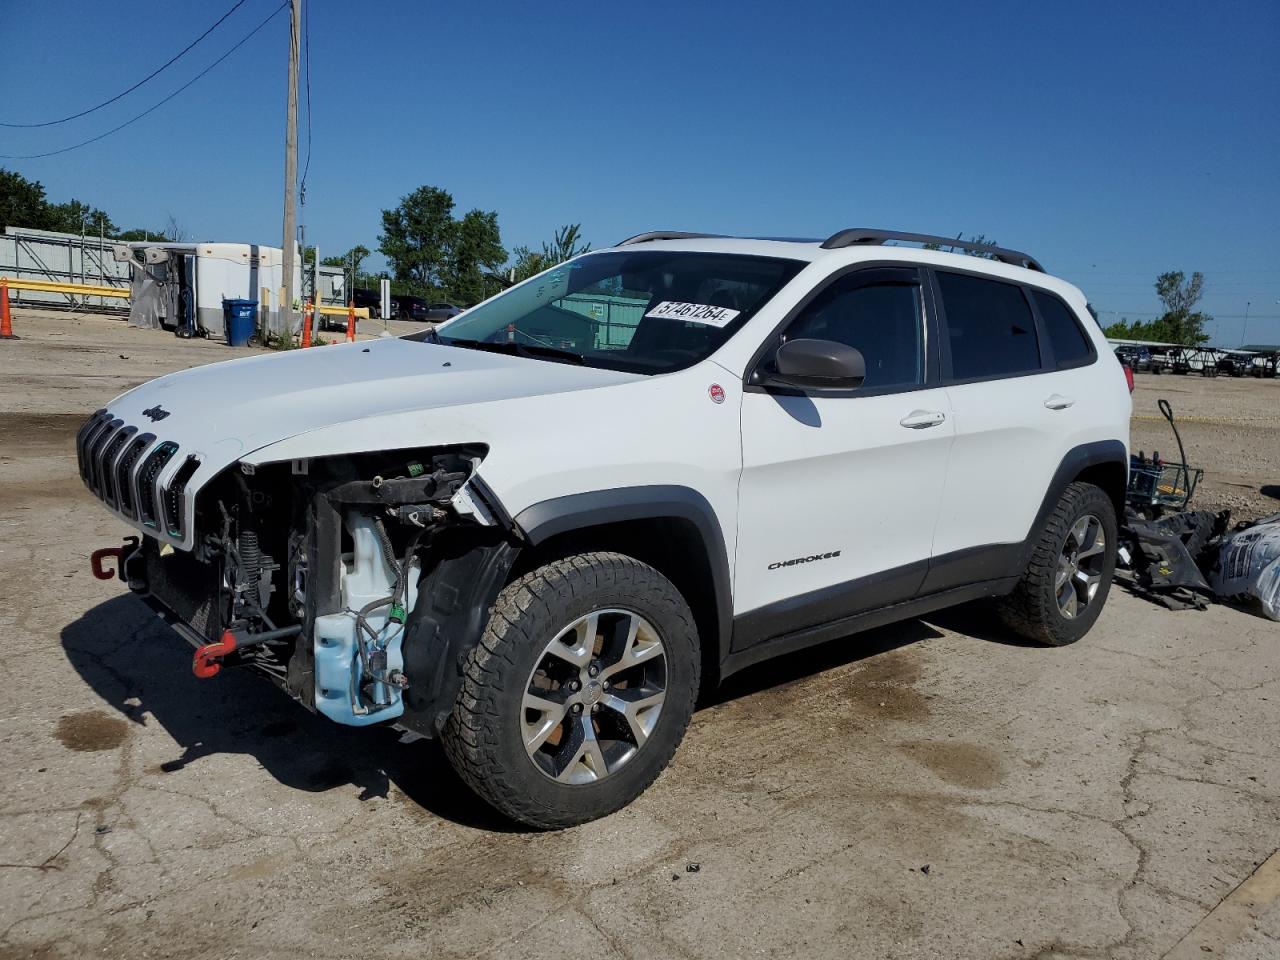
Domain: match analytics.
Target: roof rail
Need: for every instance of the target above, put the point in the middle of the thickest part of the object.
(863, 235)
(667, 235)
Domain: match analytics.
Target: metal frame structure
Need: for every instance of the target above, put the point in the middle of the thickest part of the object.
(91, 271)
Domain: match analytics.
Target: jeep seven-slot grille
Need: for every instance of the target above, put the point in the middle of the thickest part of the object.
(174, 498)
(123, 468)
(156, 461)
(107, 465)
(124, 473)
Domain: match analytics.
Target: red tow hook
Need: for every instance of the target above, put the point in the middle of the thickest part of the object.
(117, 553)
(207, 659)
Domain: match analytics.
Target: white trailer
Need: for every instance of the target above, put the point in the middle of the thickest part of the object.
(181, 286)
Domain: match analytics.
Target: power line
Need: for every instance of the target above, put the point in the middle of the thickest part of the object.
(185, 50)
(154, 107)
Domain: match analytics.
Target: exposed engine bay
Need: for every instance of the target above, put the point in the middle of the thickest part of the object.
(329, 577)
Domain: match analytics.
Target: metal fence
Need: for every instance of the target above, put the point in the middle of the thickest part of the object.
(615, 318)
(62, 258)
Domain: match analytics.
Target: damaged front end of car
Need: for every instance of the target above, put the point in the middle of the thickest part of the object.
(354, 582)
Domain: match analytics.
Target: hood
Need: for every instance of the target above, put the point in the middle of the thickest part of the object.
(222, 411)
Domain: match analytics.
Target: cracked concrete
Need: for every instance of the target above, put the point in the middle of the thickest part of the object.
(932, 789)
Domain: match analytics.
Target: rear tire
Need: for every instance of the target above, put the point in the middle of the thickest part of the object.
(1069, 576)
(578, 693)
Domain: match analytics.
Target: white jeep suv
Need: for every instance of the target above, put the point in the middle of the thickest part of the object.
(540, 530)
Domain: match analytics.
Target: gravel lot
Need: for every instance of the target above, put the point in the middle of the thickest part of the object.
(931, 789)
(1229, 426)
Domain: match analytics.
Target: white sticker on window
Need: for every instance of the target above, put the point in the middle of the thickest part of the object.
(693, 313)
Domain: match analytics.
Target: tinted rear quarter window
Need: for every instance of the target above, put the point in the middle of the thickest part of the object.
(990, 327)
(1071, 346)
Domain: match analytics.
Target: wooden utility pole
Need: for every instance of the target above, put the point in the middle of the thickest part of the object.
(290, 172)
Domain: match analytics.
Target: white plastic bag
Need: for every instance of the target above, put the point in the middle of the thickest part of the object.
(1248, 566)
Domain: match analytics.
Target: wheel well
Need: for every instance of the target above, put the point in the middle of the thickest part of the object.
(1112, 478)
(672, 546)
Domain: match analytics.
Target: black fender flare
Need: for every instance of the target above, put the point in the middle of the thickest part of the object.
(541, 521)
(1075, 462)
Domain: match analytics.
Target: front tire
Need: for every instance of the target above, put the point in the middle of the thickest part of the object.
(1069, 576)
(578, 693)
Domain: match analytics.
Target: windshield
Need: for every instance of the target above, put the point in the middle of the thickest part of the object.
(646, 311)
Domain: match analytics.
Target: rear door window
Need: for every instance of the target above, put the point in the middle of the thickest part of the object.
(1071, 348)
(990, 328)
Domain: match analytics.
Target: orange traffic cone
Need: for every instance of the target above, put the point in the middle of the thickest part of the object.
(306, 325)
(351, 321)
(6, 324)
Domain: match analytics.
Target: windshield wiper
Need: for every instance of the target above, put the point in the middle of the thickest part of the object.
(513, 348)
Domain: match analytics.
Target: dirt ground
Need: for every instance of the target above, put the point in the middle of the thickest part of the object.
(930, 789)
(1230, 427)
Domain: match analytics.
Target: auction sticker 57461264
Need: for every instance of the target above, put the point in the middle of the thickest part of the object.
(693, 313)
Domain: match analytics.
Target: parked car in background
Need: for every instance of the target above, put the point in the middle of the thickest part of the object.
(1162, 362)
(368, 298)
(1235, 364)
(440, 312)
(406, 307)
(1137, 359)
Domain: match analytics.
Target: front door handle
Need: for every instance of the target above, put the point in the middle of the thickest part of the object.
(919, 419)
(1056, 401)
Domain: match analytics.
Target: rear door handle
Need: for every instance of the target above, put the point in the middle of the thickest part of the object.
(919, 419)
(1056, 401)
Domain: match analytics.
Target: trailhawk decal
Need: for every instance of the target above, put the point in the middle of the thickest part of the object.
(693, 313)
(816, 556)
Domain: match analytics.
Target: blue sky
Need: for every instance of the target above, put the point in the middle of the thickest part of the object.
(1113, 141)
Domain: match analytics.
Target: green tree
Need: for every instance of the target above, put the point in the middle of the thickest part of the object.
(75, 216)
(474, 253)
(22, 201)
(563, 246)
(1121, 330)
(1180, 322)
(527, 263)
(416, 237)
(351, 261)
(23, 204)
(140, 234)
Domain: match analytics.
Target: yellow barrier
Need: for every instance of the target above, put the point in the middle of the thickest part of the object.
(362, 313)
(50, 286)
(93, 290)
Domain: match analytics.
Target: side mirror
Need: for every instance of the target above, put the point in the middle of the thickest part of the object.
(817, 366)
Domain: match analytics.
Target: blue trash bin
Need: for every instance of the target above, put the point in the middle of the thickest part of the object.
(240, 321)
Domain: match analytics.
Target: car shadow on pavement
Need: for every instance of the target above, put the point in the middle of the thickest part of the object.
(978, 620)
(138, 666)
(142, 669)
